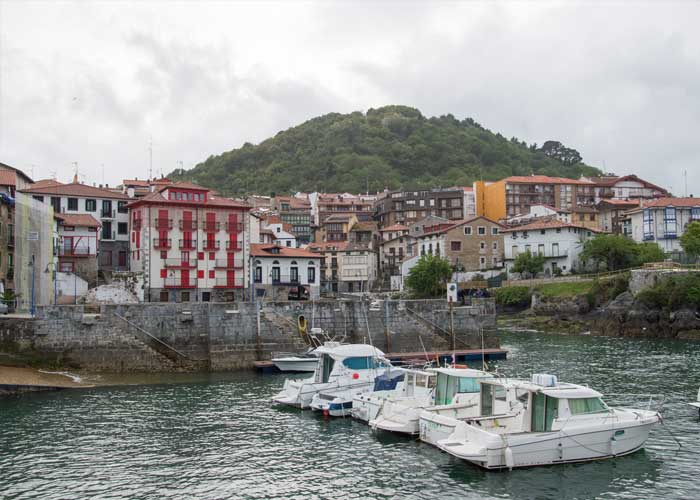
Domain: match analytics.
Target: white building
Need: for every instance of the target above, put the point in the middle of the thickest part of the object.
(663, 221)
(469, 202)
(359, 268)
(280, 235)
(282, 273)
(107, 206)
(561, 244)
(540, 212)
(627, 187)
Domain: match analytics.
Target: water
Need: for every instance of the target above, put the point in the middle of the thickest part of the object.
(218, 436)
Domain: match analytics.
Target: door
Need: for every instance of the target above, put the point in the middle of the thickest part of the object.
(67, 245)
(185, 277)
(56, 204)
(106, 208)
(106, 230)
(230, 278)
(122, 259)
(162, 221)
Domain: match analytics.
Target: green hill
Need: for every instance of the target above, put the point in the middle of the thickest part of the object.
(392, 146)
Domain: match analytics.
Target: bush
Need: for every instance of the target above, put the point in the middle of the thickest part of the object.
(513, 296)
(673, 293)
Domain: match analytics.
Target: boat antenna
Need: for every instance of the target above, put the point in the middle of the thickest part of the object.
(483, 356)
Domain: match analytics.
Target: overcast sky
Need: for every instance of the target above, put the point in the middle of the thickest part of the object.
(92, 82)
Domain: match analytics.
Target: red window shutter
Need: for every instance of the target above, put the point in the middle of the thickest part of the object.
(164, 254)
(200, 255)
(200, 273)
(212, 255)
(212, 274)
(163, 273)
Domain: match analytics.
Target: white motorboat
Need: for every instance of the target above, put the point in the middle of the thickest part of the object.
(456, 396)
(696, 404)
(525, 423)
(397, 410)
(339, 367)
(294, 363)
(339, 402)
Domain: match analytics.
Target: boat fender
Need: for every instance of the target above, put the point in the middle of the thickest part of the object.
(508, 455)
(561, 451)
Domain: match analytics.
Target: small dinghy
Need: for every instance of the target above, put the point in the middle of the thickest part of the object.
(523, 423)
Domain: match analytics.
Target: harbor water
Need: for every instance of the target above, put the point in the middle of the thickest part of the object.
(219, 437)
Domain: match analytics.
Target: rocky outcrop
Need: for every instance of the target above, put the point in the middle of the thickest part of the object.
(560, 307)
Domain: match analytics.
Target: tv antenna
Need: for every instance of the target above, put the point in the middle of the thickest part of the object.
(150, 158)
(685, 180)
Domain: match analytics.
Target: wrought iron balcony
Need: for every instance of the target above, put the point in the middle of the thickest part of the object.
(234, 246)
(232, 282)
(234, 227)
(164, 223)
(179, 264)
(188, 244)
(211, 226)
(228, 263)
(179, 282)
(211, 245)
(161, 243)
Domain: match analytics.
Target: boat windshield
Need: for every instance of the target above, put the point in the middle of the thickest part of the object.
(448, 386)
(361, 363)
(587, 405)
(327, 363)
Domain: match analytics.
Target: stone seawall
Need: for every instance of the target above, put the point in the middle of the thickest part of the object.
(228, 336)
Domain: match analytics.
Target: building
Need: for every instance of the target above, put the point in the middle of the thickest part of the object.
(11, 179)
(358, 271)
(393, 252)
(190, 244)
(406, 207)
(138, 188)
(561, 244)
(469, 202)
(539, 212)
(295, 211)
(330, 264)
(324, 205)
(612, 214)
(78, 245)
(335, 228)
(282, 273)
(109, 207)
(469, 245)
(418, 227)
(517, 194)
(273, 230)
(627, 187)
(392, 232)
(663, 221)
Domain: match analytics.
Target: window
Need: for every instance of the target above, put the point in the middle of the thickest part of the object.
(695, 213)
(494, 231)
(495, 245)
(90, 205)
(122, 228)
(72, 203)
(514, 250)
(540, 249)
(258, 274)
(163, 254)
(121, 207)
(68, 229)
(468, 230)
(164, 296)
(587, 405)
(555, 249)
(293, 273)
(648, 224)
(456, 246)
(544, 410)
(670, 222)
(481, 230)
(106, 230)
(275, 274)
(311, 273)
(360, 363)
(65, 267)
(482, 245)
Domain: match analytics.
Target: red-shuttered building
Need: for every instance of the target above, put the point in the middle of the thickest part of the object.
(190, 244)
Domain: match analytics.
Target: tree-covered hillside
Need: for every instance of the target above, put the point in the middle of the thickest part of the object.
(389, 147)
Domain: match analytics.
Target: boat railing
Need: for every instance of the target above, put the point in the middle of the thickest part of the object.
(654, 402)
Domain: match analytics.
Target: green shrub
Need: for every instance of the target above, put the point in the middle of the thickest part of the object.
(513, 296)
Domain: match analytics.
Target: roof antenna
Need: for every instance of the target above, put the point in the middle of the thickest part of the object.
(685, 178)
(150, 157)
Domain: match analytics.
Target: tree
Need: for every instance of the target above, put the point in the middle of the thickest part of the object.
(528, 263)
(556, 150)
(619, 252)
(649, 252)
(690, 240)
(429, 277)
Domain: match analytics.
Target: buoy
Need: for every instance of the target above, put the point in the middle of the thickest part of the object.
(325, 413)
(355, 376)
(510, 462)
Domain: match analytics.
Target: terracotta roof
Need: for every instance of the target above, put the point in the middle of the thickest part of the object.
(545, 179)
(8, 178)
(395, 227)
(669, 202)
(451, 226)
(547, 224)
(162, 180)
(45, 183)
(183, 185)
(613, 201)
(328, 245)
(264, 250)
(73, 189)
(338, 218)
(212, 201)
(81, 220)
(135, 182)
(612, 180)
(366, 226)
(17, 171)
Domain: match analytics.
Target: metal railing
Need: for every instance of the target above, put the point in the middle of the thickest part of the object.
(179, 263)
(188, 244)
(161, 243)
(285, 279)
(178, 282)
(211, 226)
(74, 252)
(228, 263)
(233, 245)
(235, 282)
(211, 245)
(234, 227)
(164, 223)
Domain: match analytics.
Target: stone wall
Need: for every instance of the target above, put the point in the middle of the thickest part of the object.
(226, 336)
(645, 278)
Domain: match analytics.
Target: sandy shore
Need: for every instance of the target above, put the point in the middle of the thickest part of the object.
(30, 376)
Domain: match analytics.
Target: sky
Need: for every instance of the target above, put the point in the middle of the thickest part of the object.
(95, 84)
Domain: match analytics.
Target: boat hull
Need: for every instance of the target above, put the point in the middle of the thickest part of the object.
(296, 364)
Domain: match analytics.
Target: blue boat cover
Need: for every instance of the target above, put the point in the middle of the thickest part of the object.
(388, 380)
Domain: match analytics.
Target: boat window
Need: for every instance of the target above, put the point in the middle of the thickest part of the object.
(362, 363)
(441, 394)
(587, 405)
(328, 363)
(487, 400)
(499, 393)
(544, 410)
(468, 384)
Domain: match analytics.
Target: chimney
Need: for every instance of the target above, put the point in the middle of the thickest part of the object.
(75, 178)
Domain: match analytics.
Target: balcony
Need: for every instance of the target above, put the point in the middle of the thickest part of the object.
(179, 264)
(178, 282)
(164, 223)
(161, 243)
(228, 264)
(10, 240)
(187, 225)
(648, 237)
(108, 214)
(75, 252)
(234, 246)
(211, 245)
(234, 227)
(232, 282)
(285, 279)
(188, 244)
(211, 226)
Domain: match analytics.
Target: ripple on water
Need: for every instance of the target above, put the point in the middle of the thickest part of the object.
(219, 437)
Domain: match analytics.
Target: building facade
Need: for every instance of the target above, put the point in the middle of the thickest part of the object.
(296, 212)
(406, 207)
(663, 221)
(612, 215)
(190, 244)
(78, 245)
(283, 273)
(107, 206)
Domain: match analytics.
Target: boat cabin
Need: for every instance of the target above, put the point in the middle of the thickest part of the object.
(451, 382)
(540, 405)
(355, 360)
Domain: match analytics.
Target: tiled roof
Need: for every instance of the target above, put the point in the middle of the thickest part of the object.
(264, 250)
(80, 220)
(212, 201)
(183, 185)
(613, 201)
(547, 224)
(453, 225)
(544, 179)
(8, 178)
(395, 227)
(73, 189)
(135, 182)
(366, 226)
(328, 245)
(668, 201)
(46, 182)
(17, 171)
(338, 218)
(609, 181)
